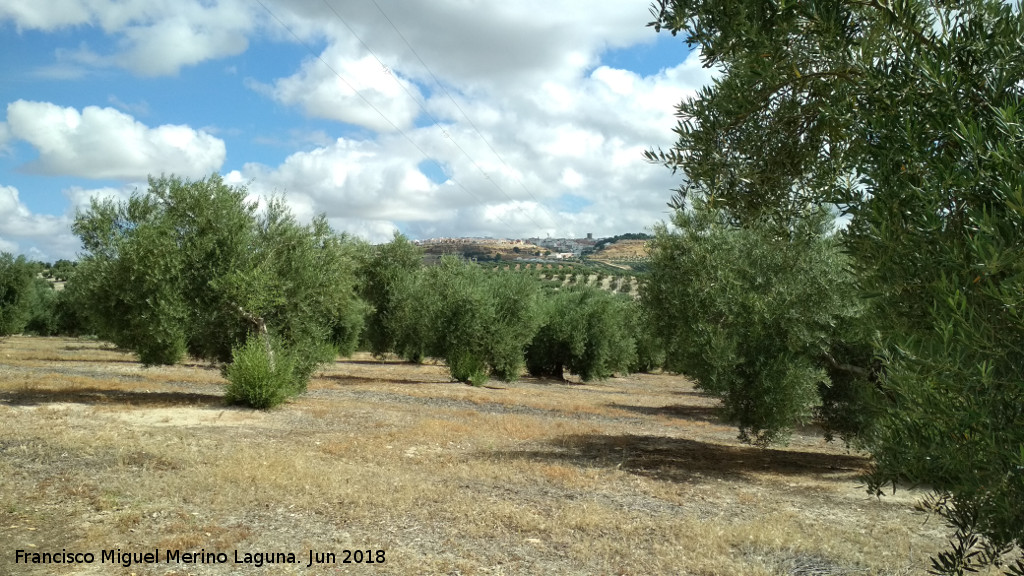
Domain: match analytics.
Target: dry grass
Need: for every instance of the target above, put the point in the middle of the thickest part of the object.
(628, 476)
(624, 249)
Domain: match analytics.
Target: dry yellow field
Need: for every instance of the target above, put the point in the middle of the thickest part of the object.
(627, 476)
(624, 249)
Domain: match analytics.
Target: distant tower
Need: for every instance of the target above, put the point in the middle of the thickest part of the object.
(590, 235)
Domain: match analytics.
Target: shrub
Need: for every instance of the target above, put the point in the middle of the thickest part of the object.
(650, 350)
(479, 323)
(43, 319)
(385, 279)
(260, 376)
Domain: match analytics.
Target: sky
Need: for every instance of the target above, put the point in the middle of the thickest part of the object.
(440, 118)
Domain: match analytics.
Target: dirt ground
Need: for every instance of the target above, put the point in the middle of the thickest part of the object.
(389, 461)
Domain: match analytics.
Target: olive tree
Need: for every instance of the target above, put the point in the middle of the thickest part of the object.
(195, 267)
(16, 293)
(906, 117)
(586, 331)
(479, 323)
(752, 314)
(387, 282)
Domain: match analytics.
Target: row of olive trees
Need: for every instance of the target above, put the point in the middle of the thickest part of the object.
(196, 268)
(486, 324)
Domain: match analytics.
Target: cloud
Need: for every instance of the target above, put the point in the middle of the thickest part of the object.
(527, 74)
(485, 44)
(40, 236)
(154, 37)
(48, 237)
(106, 143)
(351, 179)
(164, 47)
(578, 138)
(47, 16)
(344, 86)
(80, 198)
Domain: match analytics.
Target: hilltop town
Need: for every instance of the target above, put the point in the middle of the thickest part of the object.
(625, 247)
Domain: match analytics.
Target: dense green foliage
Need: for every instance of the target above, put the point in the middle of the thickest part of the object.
(585, 331)
(460, 318)
(650, 347)
(31, 304)
(192, 266)
(16, 293)
(479, 322)
(61, 270)
(516, 315)
(905, 116)
(52, 312)
(387, 277)
(752, 315)
(262, 375)
(482, 321)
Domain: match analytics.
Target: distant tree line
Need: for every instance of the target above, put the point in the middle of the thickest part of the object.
(628, 236)
(31, 304)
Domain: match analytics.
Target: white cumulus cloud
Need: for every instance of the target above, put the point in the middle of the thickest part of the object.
(155, 37)
(589, 152)
(528, 75)
(349, 88)
(41, 236)
(164, 47)
(106, 143)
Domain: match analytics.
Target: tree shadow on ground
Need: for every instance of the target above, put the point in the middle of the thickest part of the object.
(373, 362)
(683, 460)
(693, 394)
(548, 381)
(99, 396)
(341, 380)
(102, 347)
(96, 360)
(683, 411)
(390, 359)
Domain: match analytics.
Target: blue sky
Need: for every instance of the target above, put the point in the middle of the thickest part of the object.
(439, 119)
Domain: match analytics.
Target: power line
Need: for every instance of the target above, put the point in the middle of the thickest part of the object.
(423, 107)
(377, 110)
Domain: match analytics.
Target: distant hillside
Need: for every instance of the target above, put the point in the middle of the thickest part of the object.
(603, 242)
(622, 250)
(485, 249)
(619, 252)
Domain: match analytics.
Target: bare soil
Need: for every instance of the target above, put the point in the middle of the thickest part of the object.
(632, 475)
